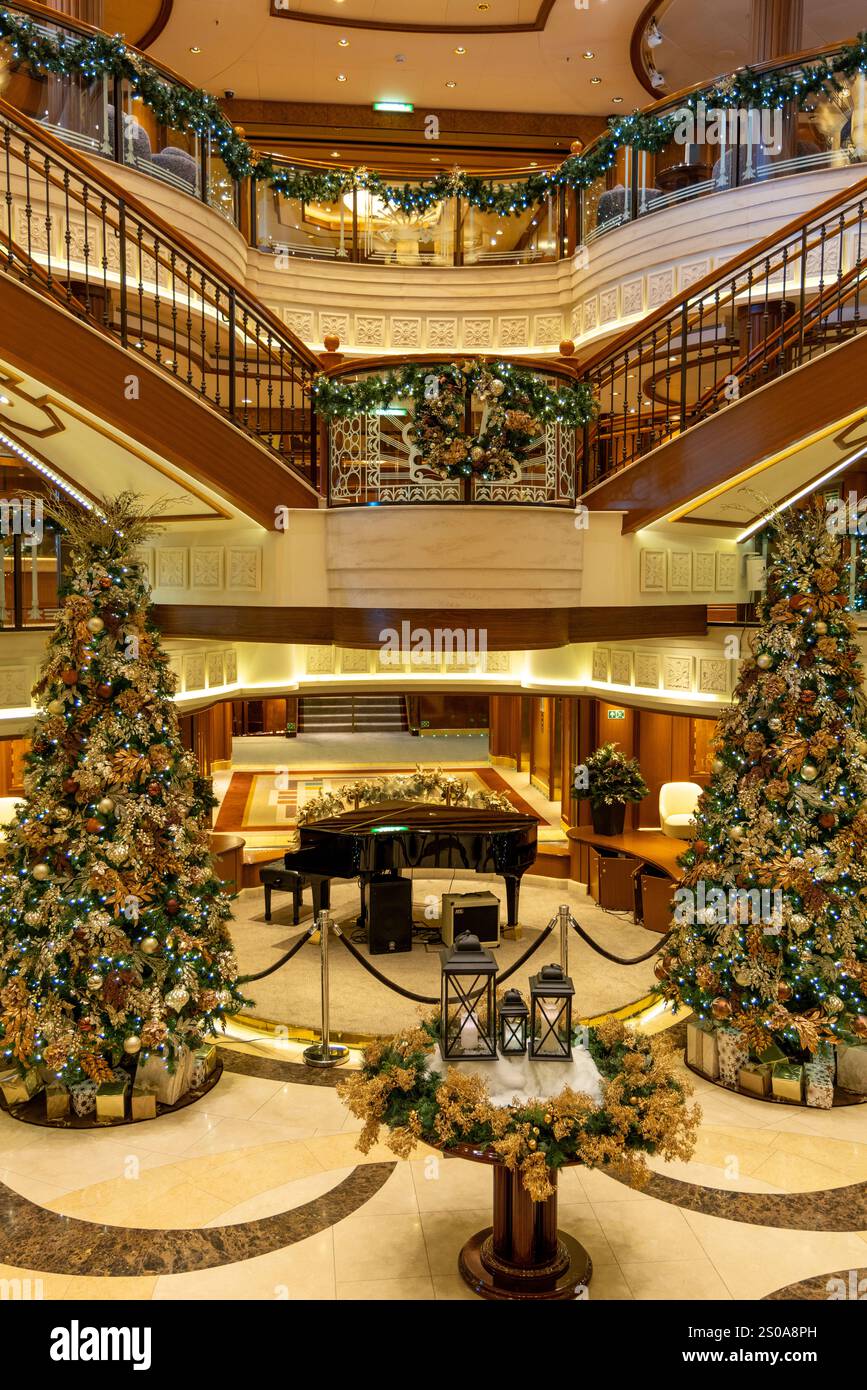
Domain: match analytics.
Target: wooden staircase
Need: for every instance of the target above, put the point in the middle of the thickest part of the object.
(349, 714)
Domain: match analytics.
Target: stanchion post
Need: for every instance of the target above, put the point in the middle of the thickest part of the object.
(325, 1053)
(565, 915)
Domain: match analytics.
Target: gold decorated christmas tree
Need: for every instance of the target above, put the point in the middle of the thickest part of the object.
(113, 936)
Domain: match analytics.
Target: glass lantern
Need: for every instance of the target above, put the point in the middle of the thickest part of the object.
(551, 993)
(513, 1017)
(467, 1018)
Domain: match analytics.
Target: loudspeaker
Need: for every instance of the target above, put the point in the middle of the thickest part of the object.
(478, 913)
(389, 915)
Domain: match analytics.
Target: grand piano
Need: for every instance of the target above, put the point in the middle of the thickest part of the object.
(381, 840)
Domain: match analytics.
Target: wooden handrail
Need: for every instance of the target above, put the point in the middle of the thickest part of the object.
(638, 331)
(350, 365)
(95, 173)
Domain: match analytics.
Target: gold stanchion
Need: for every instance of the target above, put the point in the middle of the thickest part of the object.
(325, 1053)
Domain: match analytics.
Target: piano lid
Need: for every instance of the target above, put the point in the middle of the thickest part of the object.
(395, 816)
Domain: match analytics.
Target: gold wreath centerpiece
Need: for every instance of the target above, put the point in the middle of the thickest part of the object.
(644, 1108)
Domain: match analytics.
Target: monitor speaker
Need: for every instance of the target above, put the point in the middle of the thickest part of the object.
(389, 915)
(478, 913)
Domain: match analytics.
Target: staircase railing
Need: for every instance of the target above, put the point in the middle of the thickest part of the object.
(69, 231)
(795, 295)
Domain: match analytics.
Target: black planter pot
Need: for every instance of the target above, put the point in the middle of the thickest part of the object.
(608, 820)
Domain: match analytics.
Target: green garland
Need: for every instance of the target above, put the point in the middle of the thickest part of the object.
(190, 109)
(644, 1108)
(519, 407)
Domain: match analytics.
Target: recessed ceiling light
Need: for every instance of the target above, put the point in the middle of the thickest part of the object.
(434, 159)
(534, 165)
(483, 6)
(617, 99)
(594, 81)
(460, 51)
(343, 43)
(341, 77)
(588, 53)
(195, 48)
(335, 154)
(451, 84)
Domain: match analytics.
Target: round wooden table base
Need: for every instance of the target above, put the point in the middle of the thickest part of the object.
(523, 1255)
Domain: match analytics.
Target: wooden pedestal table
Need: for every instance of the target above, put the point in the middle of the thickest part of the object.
(523, 1255)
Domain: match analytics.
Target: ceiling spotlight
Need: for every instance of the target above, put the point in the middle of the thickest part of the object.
(400, 57)
(483, 6)
(617, 100)
(654, 37)
(343, 43)
(335, 154)
(594, 81)
(341, 77)
(657, 79)
(195, 48)
(460, 51)
(588, 53)
(451, 84)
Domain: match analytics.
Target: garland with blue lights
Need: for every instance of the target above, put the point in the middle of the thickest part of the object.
(518, 407)
(190, 109)
(785, 813)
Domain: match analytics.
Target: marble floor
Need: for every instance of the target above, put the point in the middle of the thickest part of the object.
(257, 1192)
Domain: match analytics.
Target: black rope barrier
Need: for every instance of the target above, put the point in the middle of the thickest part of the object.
(620, 960)
(501, 979)
(383, 979)
(284, 960)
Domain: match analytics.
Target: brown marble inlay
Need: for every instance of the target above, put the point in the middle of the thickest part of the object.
(275, 1069)
(837, 1209)
(848, 1284)
(33, 1238)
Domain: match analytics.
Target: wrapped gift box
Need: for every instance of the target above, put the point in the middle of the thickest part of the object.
(143, 1105)
(111, 1099)
(702, 1051)
(56, 1101)
(203, 1063)
(168, 1085)
(18, 1087)
(755, 1078)
(733, 1052)
(852, 1067)
(83, 1097)
(787, 1081)
(819, 1085)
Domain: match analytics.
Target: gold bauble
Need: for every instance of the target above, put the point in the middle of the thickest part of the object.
(809, 771)
(821, 627)
(764, 661)
(497, 387)
(56, 707)
(576, 147)
(132, 1044)
(149, 945)
(105, 806)
(718, 765)
(95, 625)
(41, 872)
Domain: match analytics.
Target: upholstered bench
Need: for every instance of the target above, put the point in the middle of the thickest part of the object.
(285, 881)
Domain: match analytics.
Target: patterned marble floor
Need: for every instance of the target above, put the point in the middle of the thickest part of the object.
(257, 1192)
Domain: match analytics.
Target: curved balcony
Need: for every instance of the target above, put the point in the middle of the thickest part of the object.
(104, 116)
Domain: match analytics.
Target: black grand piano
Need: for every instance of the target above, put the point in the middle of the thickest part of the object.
(380, 840)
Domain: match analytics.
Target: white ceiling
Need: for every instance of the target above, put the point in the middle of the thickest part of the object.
(247, 50)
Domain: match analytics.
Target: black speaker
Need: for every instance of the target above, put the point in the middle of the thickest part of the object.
(389, 915)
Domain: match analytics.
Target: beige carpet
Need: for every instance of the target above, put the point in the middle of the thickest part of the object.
(361, 1005)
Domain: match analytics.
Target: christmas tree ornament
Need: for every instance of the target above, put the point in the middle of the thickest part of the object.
(70, 785)
(56, 707)
(809, 771)
(177, 998)
(92, 825)
(859, 1026)
(94, 983)
(95, 625)
(105, 806)
(104, 690)
(718, 765)
(105, 582)
(497, 387)
(721, 1009)
(808, 697)
(132, 1044)
(736, 832)
(154, 789)
(764, 661)
(172, 906)
(149, 945)
(820, 627)
(741, 975)
(784, 992)
(41, 872)
(69, 676)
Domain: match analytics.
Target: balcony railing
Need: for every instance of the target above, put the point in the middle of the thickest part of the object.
(69, 231)
(103, 116)
(374, 460)
(793, 297)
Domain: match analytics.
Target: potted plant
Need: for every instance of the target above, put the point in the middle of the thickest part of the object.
(608, 779)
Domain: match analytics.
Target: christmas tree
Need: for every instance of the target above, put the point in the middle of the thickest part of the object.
(113, 936)
(771, 917)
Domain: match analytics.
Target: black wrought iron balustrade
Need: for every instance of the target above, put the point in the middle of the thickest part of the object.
(68, 231)
(762, 315)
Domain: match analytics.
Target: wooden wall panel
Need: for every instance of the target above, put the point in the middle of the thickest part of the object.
(541, 733)
(450, 711)
(505, 728)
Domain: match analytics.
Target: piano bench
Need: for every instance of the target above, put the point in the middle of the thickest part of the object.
(285, 881)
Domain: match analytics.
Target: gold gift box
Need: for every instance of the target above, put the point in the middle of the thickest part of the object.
(787, 1082)
(111, 1100)
(18, 1087)
(56, 1101)
(207, 1055)
(702, 1051)
(143, 1105)
(755, 1078)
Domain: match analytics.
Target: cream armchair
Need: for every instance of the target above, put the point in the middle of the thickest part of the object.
(677, 803)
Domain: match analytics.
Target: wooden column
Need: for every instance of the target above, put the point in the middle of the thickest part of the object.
(777, 29)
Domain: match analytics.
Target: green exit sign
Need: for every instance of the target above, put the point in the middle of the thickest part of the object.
(406, 106)
(617, 714)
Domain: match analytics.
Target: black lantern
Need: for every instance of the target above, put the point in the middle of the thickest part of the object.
(467, 1020)
(513, 1017)
(551, 994)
